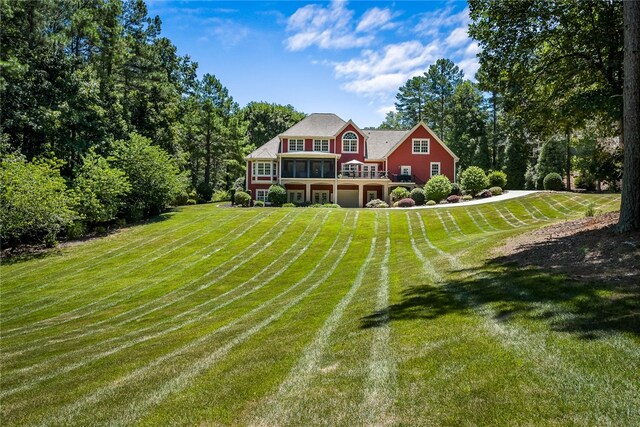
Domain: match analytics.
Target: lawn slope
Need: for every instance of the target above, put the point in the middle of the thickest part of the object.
(317, 317)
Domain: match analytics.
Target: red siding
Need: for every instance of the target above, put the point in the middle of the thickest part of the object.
(377, 188)
(350, 156)
(421, 163)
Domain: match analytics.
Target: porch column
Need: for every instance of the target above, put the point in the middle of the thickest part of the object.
(360, 195)
(335, 191)
(308, 193)
(385, 196)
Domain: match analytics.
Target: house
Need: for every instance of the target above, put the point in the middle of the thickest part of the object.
(323, 159)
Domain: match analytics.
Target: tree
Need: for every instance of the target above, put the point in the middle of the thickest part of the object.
(265, 121)
(552, 158)
(468, 136)
(100, 189)
(392, 121)
(411, 101)
(34, 201)
(630, 204)
(154, 177)
(441, 80)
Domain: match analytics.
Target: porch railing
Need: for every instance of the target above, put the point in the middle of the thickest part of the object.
(364, 175)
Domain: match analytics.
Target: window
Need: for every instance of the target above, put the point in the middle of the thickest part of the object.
(321, 145)
(349, 170)
(435, 168)
(349, 143)
(420, 146)
(296, 145)
(261, 195)
(369, 171)
(320, 196)
(263, 169)
(295, 196)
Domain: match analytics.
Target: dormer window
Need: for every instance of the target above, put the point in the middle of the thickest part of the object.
(296, 145)
(321, 145)
(350, 143)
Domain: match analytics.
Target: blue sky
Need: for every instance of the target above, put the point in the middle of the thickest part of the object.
(348, 58)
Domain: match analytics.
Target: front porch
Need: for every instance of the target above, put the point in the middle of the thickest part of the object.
(346, 192)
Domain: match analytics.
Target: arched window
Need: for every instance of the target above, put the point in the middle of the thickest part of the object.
(350, 143)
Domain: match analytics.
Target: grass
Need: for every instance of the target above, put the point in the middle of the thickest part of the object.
(218, 316)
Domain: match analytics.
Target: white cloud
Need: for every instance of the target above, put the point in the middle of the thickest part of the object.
(457, 37)
(376, 19)
(470, 66)
(433, 23)
(328, 27)
(473, 49)
(227, 32)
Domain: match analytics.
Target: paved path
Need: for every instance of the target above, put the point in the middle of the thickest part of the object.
(511, 194)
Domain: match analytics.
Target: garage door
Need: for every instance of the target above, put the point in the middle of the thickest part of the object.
(348, 198)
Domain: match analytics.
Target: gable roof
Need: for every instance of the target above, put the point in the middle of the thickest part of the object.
(380, 142)
(268, 150)
(424, 125)
(316, 124)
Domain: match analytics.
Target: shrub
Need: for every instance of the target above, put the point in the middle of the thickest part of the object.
(586, 182)
(406, 203)
(455, 189)
(431, 203)
(418, 196)
(205, 192)
(34, 200)
(590, 211)
(399, 193)
(495, 191)
(181, 199)
(288, 205)
(241, 198)
(76, 229)
(153, 174)
(484, 194)
(191, 201)
(553, 182)
(100, 189)
(331, 206)
(443, 202)
(277, 195)
(238, 184)
(467, 197)
(376, 203)
(100, 230)
(497, 179)
(473, 179)
(453, 198)
(438, 188)
(258, 204)
(220, 196)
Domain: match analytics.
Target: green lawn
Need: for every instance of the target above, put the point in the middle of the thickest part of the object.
(215, 316)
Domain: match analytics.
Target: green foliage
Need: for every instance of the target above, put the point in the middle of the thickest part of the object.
(100, 189)
(392, 121)
(468, 135)
(292, 205)
(75, 229)
(399, 193)
(265, 121)
(473, 179)
(495, 191)
(497, 179)
(552, 158)
(376, 203)
(585, 182)
(467, 197)
(590, 211)
(181, 199)
(258, 204)
(220, 196)
(192, 201)
(418, 196)
(431, 203)
(242, 199)
(154, 177)
(277, 195)
(437, 188)
(456, 189)
(205, 192)
(34, 201)
(553, 181)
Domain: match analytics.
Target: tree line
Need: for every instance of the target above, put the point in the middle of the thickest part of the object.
(102, 120)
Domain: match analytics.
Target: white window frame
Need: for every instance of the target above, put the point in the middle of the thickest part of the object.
(431, 169)
(407, 167)
(350, 141)
(348, 169)
(424, 146)
(261, 194)
(319, 145)
(369, 170)
(292, 196)
(319, 193)
(295, 146)
(263, 165)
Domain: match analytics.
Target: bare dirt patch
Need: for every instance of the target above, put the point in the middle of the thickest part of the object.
(587, 249)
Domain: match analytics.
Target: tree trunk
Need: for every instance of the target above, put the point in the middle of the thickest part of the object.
(630, 204)
(207, 164)
(568, 161)
(494, 156)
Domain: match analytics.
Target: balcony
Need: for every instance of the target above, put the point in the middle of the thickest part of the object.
(364, 175)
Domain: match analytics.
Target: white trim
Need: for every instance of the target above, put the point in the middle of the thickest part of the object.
(321, 141)
(264, 194)
(255, 172)
(357, 140)
(409, 132)
(421, 141)
(295, 193)
(320, 192)
(297, 140)
(431, 175)
(408, 168)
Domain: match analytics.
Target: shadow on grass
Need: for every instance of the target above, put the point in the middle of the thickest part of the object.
(28, 252)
